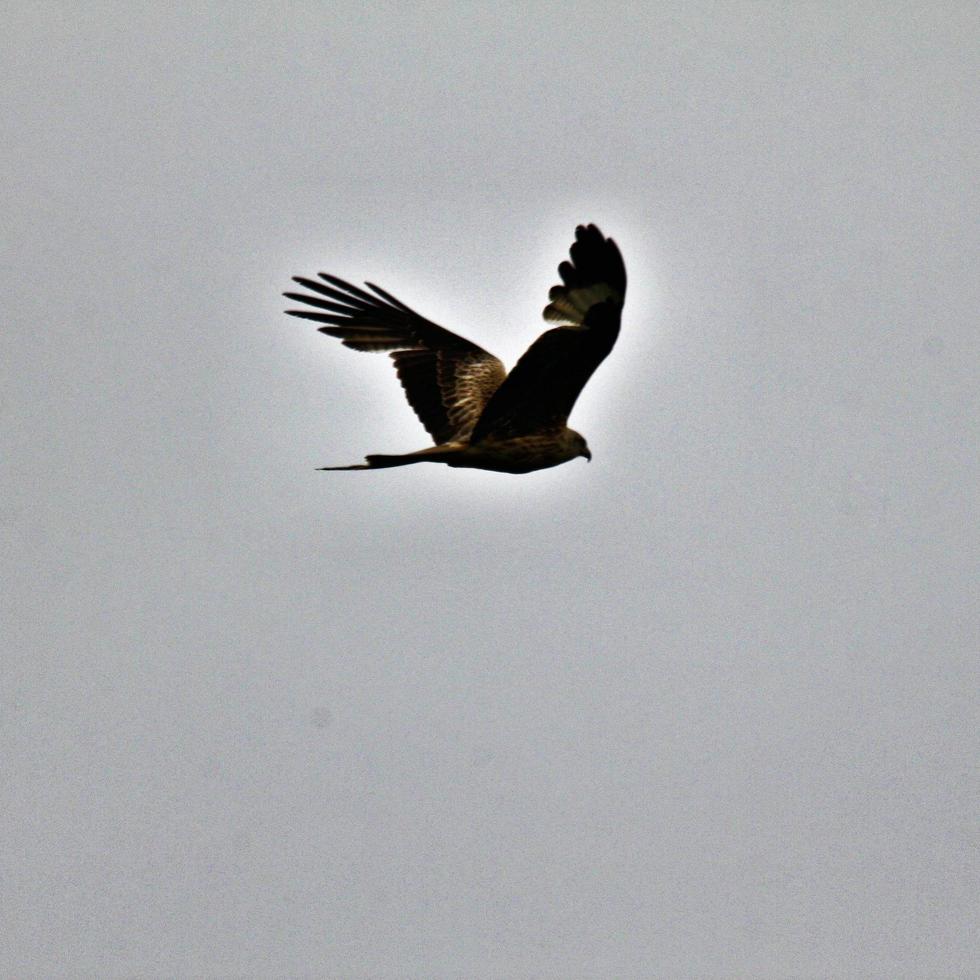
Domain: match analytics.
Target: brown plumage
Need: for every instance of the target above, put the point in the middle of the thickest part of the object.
(478, 415)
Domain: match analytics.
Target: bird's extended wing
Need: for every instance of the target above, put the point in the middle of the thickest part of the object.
(447, 379)
(541, 390)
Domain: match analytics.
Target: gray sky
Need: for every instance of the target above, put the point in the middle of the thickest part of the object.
(704, 706)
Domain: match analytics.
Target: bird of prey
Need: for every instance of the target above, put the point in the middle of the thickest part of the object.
(477, 414)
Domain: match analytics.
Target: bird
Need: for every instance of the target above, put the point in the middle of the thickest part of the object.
(477, 414)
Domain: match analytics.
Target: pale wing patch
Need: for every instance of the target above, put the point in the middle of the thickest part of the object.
(569, 306)
(467, 384)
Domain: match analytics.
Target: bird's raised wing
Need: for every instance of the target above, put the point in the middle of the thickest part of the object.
(447, 379)
(541, 390)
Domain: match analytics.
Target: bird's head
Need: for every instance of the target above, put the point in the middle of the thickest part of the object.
(580, 445)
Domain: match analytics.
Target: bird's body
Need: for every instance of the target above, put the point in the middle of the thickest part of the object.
(478, 415)
(519, 454)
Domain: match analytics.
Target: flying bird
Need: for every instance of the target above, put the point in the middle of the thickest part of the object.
(477, 414)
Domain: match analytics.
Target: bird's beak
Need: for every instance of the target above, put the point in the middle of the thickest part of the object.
(587, 455)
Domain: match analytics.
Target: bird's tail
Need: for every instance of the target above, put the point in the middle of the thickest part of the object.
(377, 463)
(434, 454)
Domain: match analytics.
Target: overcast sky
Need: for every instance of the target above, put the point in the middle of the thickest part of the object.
(705, 706)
